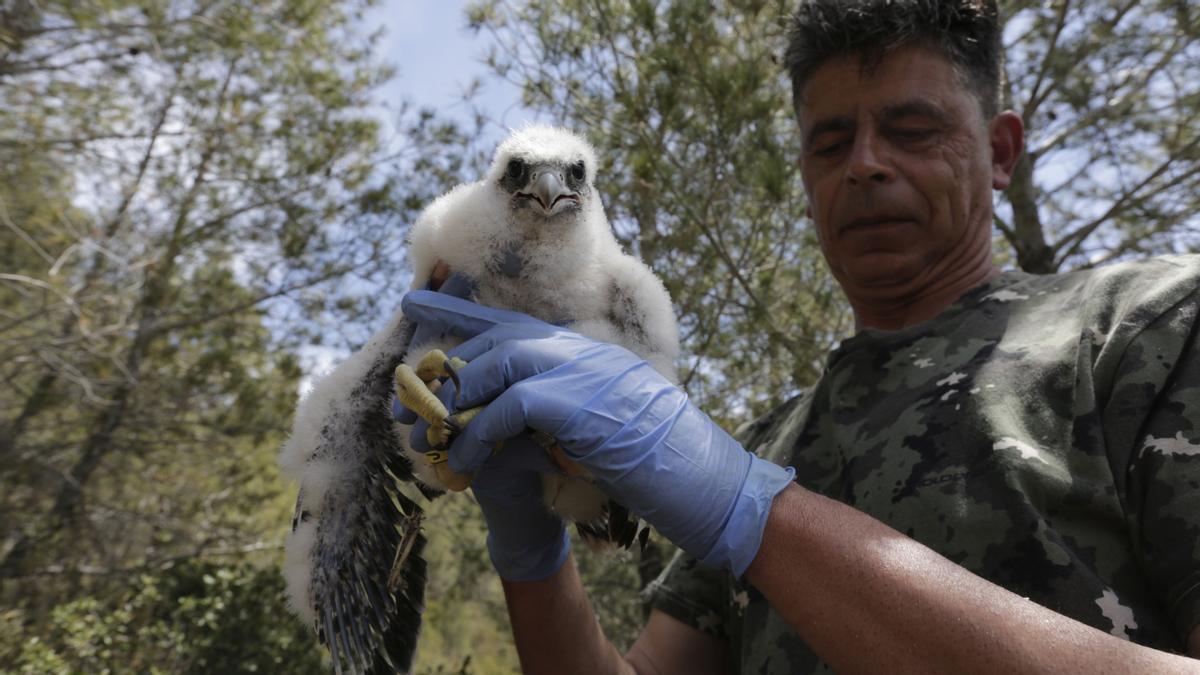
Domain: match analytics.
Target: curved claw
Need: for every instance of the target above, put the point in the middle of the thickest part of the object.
(414, 391)
(414, 394)
(436, 364)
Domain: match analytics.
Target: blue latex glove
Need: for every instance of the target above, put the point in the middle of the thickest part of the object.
(638, 435)
(526, 541)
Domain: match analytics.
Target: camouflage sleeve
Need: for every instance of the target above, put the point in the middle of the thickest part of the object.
(700, 596)
(1159, 373)
(694, 594)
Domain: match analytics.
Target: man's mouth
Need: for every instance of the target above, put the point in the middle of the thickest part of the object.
(875, 222)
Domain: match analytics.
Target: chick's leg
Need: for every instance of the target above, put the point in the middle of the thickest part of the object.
(414, 392)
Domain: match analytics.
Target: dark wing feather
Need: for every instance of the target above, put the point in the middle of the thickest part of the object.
(367, 598)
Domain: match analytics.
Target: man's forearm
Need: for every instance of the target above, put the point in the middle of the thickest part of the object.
(868, 599)
(555, 628)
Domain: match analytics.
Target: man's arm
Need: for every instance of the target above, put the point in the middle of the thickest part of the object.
(865, 597)
(556, 631)
(869, 599)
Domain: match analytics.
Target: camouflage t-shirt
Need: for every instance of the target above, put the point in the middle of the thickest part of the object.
(1043, 432)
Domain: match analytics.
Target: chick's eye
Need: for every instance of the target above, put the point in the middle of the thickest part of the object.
(577, 171)
(515, 168)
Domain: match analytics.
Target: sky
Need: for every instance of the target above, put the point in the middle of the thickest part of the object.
(437, 57)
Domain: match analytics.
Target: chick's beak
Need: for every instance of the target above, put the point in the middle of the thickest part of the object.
(549, 188)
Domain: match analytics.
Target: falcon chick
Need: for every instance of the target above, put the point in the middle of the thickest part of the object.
(533, 237)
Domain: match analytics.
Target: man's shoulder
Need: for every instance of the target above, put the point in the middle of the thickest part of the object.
(1137, 280)
(771, 435)
(1131, 293)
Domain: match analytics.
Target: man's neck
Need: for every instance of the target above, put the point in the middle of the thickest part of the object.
(930, 301)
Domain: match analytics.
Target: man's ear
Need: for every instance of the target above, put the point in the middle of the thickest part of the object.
(1006, 134)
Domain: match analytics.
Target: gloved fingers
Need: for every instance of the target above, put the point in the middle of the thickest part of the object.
(582, 366)
(506, 355)
(456, 285)
(519, 455)
(401, 414)
(446, 314)
(425, 333)
(501, 420)
(488, 340)
(418, 438)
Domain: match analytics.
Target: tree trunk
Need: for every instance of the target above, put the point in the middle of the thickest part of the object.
(1028, 238)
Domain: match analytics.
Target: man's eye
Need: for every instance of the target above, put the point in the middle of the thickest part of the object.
(827, 149)
(912, 135)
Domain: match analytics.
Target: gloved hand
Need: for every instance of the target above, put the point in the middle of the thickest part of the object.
(638, 435)
(526, 541)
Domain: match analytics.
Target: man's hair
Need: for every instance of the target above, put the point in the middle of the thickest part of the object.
(967, 32)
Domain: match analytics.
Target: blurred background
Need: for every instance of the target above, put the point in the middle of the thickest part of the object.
(203, 205)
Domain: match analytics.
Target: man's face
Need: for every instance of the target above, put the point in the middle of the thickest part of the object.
(898, 170)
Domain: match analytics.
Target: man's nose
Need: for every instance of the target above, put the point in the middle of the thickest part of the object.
(868, 162)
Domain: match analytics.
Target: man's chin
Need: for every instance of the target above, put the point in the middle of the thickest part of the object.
(880, 272)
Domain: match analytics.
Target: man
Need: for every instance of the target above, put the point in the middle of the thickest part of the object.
(998, 473)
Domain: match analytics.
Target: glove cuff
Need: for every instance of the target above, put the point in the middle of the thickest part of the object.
(735, 549)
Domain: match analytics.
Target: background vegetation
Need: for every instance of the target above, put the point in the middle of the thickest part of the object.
(193, 190)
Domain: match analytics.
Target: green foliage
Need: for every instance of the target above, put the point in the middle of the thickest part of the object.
(189, 617)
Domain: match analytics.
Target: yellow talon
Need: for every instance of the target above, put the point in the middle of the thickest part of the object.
(436, 364)
(415, 395)
(413, 389)
(432, 365)
(437, 434)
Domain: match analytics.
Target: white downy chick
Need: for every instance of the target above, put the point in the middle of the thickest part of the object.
(533, 237)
